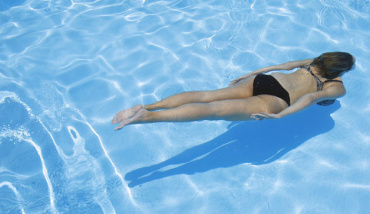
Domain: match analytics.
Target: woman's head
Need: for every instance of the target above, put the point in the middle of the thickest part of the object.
(332, 64)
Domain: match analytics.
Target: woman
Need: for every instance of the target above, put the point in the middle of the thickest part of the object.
(254, 95)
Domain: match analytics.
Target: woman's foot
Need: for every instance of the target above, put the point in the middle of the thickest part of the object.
(139, 116)
(126, 114)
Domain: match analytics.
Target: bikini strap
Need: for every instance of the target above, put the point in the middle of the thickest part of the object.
(318, 81)
(333, 81)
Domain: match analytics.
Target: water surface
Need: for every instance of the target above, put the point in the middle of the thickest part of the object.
(66, 67)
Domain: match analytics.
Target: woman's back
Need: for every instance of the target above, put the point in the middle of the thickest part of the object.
(301, 82)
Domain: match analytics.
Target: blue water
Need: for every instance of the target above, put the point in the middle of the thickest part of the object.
(66, 67)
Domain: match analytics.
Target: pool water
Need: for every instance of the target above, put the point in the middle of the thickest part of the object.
(67, 66)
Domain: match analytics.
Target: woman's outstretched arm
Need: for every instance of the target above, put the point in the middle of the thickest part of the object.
(285, 66)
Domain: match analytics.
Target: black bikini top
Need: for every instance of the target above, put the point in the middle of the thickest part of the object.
(320, 85)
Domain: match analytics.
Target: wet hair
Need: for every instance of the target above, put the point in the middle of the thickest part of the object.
(332, 64)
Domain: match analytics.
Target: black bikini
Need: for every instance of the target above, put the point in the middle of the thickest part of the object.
(267, 84)
(320, 85)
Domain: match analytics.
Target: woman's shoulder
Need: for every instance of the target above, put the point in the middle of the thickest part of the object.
(336, 85)
(335, 82)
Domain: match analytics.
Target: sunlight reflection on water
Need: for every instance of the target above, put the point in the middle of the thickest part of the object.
(68, 66)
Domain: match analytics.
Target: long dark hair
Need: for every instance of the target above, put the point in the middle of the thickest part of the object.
(332, 64)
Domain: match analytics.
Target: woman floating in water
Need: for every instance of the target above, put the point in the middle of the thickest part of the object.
(253, 96)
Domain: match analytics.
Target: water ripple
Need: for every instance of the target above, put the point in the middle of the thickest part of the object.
(68, 66)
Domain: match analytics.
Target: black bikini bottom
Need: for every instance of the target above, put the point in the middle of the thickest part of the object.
(267, 84)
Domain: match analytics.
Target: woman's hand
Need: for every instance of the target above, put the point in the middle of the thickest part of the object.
(264, 115)
(235, 81)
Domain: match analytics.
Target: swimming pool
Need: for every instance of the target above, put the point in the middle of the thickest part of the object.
(66, 67)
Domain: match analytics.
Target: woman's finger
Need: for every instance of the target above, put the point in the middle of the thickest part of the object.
(119, 127)
(258, 116)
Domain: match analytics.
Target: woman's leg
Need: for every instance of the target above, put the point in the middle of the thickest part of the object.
(236, 92)
(231, 110)
(243, 89)
(240, 91)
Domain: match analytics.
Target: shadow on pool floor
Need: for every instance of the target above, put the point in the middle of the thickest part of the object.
(246, 142)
